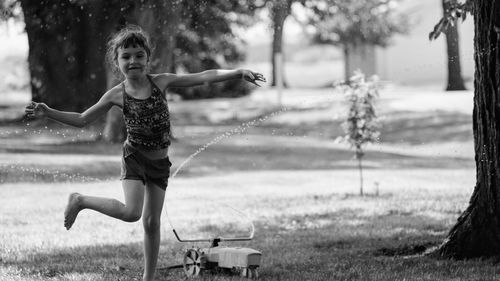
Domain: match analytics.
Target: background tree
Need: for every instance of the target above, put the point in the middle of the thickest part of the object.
(66, 50)
(205, 39)
(67, 44)
(361, 125)
(477, 231)
(279, 11)
(356, 26)
(455, 81)
(9, 9)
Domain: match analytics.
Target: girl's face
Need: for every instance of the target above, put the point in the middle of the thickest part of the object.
(132, 61)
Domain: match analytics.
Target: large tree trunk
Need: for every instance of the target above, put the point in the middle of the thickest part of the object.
(279, 12)
(66, 50)
(455, 80)
(160, 19)
(477, 231)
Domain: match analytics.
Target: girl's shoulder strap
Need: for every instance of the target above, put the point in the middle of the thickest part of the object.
(124, 93)
(161, 80)
(153, 84)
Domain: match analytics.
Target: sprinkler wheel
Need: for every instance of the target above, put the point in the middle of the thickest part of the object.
(250, 273)
(192, 263)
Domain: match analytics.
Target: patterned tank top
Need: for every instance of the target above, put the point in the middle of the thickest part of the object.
(147, 120)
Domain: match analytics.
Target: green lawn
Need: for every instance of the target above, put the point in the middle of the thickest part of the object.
(283, 170)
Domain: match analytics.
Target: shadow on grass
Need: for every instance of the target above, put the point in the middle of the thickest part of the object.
(402, 127)
(69, 147)
(217, 159)
(267, 153)
(427, 127)
(407, 249)
(371, 250)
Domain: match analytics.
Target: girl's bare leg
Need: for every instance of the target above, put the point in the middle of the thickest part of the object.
(130, 211)
(153, 206)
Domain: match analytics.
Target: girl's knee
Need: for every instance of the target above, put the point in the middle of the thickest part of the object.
(151, 224)
(131, 215)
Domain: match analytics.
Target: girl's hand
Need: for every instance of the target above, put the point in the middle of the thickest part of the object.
(36, 110)
(252, 77)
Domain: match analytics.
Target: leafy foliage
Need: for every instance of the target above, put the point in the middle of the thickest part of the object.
(361, 125)
(454, 11)
(205, 40)
(9, 9)
(341, 22)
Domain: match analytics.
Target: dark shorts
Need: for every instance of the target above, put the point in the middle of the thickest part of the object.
(136, 166)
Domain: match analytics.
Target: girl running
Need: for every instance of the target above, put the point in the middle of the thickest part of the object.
(145, 163)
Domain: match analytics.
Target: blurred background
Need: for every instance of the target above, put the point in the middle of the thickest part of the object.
(391, 39)
(54, 52)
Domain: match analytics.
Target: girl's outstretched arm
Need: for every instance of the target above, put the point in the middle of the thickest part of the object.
(209, 76)
(40, 110)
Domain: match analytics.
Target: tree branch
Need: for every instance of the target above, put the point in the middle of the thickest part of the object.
(454, 12)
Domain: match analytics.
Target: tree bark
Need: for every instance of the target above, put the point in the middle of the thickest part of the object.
(161, 20)
(455, 79)
(477, 231)
(360, 56)
(360, 167)
(280, 10)
(65, 53)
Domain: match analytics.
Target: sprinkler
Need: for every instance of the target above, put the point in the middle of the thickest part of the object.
(216, 258)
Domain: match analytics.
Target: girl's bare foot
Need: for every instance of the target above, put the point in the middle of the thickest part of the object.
(72, 210)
